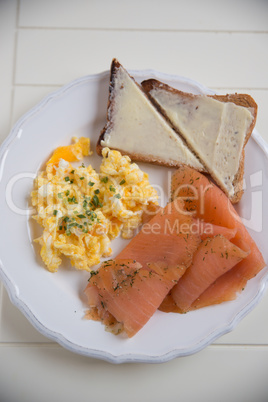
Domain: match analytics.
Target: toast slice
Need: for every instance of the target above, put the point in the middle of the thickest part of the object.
(136, 128)
(215, 127)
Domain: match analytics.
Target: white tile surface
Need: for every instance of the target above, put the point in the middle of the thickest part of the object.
(58, 56)
(8, 15)
(216, 374)
(211, 15)
(221, 44)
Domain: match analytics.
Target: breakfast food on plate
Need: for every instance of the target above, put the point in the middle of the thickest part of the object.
(130, 294)
(215, 127)
(183, 242)
(81, 210)
(164, 237)
(124, 295)
(136, 128)
(213, 258)
(71, 153)
(206, 201)
(193, 252)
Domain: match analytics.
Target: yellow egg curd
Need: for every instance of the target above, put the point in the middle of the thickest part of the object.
(81, 210)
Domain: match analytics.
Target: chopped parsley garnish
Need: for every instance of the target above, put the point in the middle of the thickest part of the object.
(81, 216)
(91, 183)
(104, 179)
(71, 225)
(95, 200)
(72, 171)
(59, 195)
(67, 193)
(97, 191)
(111, 188)
(117, 195)
(67, 178)
(81, 178)
(122, 182)
(55, 212)
(72, 200)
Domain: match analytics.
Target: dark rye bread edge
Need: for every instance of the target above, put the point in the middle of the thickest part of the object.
(244, 100)
(135, 156)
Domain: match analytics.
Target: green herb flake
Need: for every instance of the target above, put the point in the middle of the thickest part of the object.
(81, 178)
(111, 188)
(55, 212)
(91, 183)
(81, 216)
(95, 200)
(122, 182)
(72, 200)
(117, 195)
(67, 178)
(97, 191)
(104, 179)
(71, 225)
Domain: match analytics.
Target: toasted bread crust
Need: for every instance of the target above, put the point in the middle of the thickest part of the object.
(135, 156)
(115, 65)
(244, 100)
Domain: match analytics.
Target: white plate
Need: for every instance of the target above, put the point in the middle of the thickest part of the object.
(54, 303)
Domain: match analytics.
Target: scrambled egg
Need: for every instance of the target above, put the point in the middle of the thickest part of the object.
(81, 210)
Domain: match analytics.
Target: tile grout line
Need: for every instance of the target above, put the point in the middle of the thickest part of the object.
(14, 64)
(10, 122)
(1, 304)
(214, 31)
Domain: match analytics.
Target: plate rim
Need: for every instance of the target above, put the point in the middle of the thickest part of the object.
(60, 338)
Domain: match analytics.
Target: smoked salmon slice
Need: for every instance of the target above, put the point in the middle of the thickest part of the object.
(214, 257)
(204, 200)
(168, 238)
(193, 253)
(124, 296)
(206, 229)
(126, 292)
